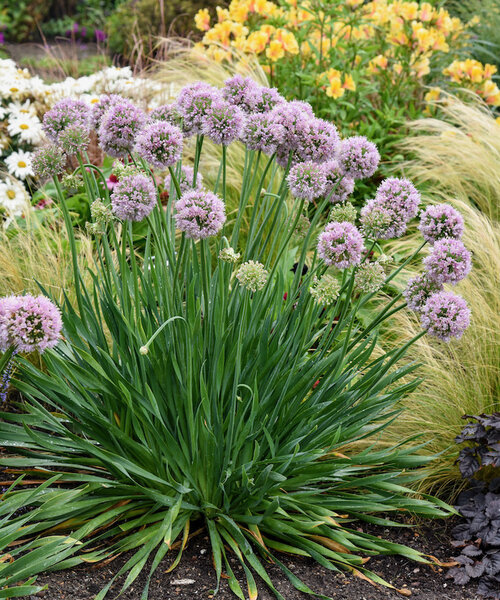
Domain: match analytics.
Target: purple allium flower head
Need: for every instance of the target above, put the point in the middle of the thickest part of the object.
(242, 92)
(418, 290)
(48, 161)
(449, 261)
(369, 277)
(262, 132)
(440, 221)
(64, 113)
(160, 144)
(119, 126)
(400, 197)
(307, 180)
(29, 323)
(166, 112)
(74, 139)
(376, 221)
(98, 109)
(133, 198)
(192, 104)
(223, 122)
(340, 245)
(185, 179)
(338, 186)
(295, 117)
(358, 157)
(267, 99)
(320, 142)
(200, 214)
(445, 316)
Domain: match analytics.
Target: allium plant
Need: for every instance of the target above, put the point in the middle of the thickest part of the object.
(215, 379)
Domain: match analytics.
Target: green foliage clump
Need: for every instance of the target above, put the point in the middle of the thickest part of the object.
(19, 20)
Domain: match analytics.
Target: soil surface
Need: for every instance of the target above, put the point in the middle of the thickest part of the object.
(194, 578)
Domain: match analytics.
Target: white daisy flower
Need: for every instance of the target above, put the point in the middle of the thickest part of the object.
(19, 164)
(28, 128)
(24, 109)
(14, 198)
(13, 88)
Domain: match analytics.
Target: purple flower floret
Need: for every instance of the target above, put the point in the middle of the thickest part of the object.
(441, 221)
(223, 122)
(74, 139)
(160, 144)
(267, 99)
(338, 186)
(418, 290)
(133, 198)
(99, 109)
(165, 112)
(29, 323)
(185, 179)
(242, 92)
(307, 180)
(449, 261)
(445, 316)
(200, 214)
(262, 132)
(358, 157)
(295, 117)
(119, 126)
(377, 221)
(64, 113)
(320, 142)
(340, 245)
(400, 197)
(48, 161)
(192, 104)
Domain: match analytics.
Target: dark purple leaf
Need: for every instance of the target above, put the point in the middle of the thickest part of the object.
(462, 532)
(471, 550)
(489, 587)
(467, 462)
(475, 570)
(492, 562)
(459, 575)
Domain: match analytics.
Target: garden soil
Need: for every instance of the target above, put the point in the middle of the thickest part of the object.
(194, 578)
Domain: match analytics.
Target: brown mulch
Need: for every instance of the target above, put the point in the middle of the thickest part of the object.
(194, 577)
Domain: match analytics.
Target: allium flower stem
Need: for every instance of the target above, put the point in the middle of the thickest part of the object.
(403, 265)
(72, 243)
(284, 245)
(175, 182)
(204, 250)
(158, 331)
(253, 220)
(298, 273)
(89, 165)
(197, 156)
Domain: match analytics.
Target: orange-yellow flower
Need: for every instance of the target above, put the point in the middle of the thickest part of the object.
(433, 94)
(288, 41)
(202, 19)
(275, 51)
(378, 62)
(349, 83)
(335, 89)
(426, 11)
(256, 42)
